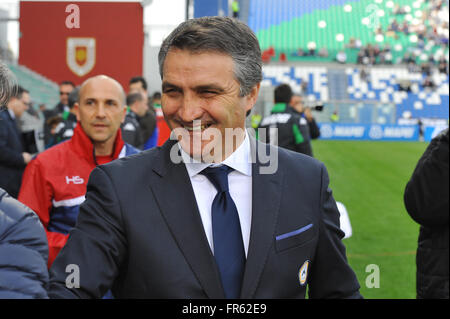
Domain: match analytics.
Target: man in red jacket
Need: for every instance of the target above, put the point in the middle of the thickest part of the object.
(54, 183)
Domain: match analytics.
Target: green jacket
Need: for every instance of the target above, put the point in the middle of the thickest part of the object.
(282, 127)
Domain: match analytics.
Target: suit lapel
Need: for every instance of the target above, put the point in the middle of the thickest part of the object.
(175, 196)
(266, 196)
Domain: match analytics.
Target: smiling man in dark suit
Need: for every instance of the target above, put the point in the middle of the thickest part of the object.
(212, 213)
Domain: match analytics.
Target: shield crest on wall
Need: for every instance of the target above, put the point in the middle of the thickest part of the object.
(80, 55)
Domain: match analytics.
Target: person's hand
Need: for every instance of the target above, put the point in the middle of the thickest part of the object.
(26, 157)
(308, 114)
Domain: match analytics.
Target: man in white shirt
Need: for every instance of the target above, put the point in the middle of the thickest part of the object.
(240, 184)
(201, 216)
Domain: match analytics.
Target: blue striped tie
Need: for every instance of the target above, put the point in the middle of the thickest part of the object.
(227, 236)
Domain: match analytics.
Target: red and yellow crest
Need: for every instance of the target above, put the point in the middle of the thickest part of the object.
(80, 55)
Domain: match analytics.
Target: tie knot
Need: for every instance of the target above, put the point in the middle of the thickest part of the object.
(218, 176)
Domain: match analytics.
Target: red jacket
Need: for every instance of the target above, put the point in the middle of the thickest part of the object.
(163, 129)
(54, 184)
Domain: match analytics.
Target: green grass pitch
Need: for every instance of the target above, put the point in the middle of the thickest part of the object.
(369, 178)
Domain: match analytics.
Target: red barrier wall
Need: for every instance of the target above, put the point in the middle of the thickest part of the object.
(109, 40)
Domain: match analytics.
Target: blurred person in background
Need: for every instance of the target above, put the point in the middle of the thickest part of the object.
(304, 87)
(31, 126)
(131, 129)
(341, 57)
(323, 52)
(67, 121)
(53, 123)
(292, 129)
(13, 157)
(138, 84)
(43, 111)
(443, 66)
(235, 8)
(308, 126)
(147, 122)
(54, 183)
(65, 87)
(23, 245)
(426, 201)
(428, 83)
(334, 117)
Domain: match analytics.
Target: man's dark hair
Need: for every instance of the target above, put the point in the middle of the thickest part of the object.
(223, 35)
(156, 96)
(73, 97)
(54, 120)
(283, 93)
(18, 91)
(66, 83)
(133, 98)
(138, 79)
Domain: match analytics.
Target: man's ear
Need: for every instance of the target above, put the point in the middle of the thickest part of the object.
(124, 113)
(76, 108)
(252, 97)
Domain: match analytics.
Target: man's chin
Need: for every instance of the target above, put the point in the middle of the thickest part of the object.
(99, 139)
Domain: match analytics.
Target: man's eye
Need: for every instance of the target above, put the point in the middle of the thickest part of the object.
(209, 93)
(171, 92)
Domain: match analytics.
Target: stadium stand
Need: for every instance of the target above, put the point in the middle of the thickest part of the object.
(42, 90)
(315, 77)
(394, 55)
(301, 29)
(382, 85)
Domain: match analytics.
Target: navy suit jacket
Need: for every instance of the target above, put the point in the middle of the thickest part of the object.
(139, 233)
(12, 164)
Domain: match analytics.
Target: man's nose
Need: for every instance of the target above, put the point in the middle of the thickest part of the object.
(101, 110)
(190, 109)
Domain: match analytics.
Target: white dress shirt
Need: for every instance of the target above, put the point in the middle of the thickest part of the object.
(239, 184)
(11, 113)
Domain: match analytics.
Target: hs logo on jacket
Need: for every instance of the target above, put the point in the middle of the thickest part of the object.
(74, 179)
